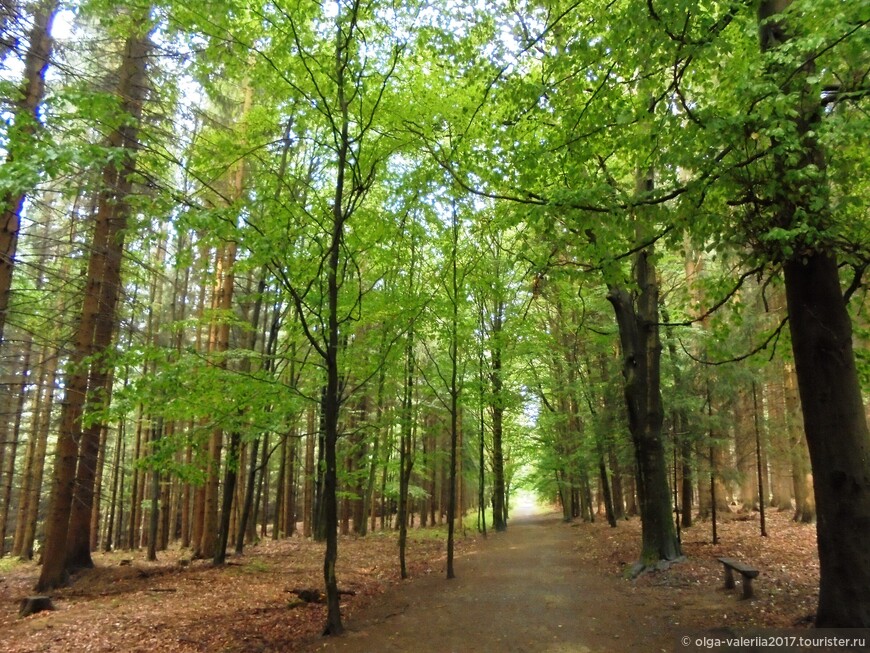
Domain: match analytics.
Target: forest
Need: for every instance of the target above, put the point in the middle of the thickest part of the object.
(301, 269)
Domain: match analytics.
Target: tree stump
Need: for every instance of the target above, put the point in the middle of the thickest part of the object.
(33, 604)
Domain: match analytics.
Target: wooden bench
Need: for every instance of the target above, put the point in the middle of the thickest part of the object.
(746, 571)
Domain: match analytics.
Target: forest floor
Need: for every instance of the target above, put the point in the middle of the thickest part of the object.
(543, 586)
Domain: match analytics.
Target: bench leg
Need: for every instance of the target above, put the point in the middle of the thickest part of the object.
(729, 579)
(747, 587)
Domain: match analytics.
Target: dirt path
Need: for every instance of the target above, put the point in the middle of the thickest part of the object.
(521, 591)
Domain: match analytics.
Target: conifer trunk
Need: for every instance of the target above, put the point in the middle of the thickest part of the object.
(21, 136)
(97, 320)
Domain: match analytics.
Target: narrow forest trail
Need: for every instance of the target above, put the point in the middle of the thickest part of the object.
(523, 591)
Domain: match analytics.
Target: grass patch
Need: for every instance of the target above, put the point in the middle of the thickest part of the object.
(8, 563)
(257, 566)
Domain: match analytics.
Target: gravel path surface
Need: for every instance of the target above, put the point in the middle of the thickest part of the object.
(520, 591)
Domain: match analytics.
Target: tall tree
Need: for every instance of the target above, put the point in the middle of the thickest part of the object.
(97, 320)
(821, 329)
(21, 143)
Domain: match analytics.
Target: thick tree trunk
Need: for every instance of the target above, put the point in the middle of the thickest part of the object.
(637, 319)
(23, 380)
(836, 430)
(218, 344)
(821, 332)
(99, 395)
(20, 141)
(98, 310)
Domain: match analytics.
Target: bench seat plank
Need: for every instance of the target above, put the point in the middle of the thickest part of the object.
(744, 570)
(736, 565)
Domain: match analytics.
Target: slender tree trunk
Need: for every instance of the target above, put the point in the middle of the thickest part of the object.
(218, 345)
(116, 478)
(499, 523)
(98, 487)
(278, 530)
(405, 461)
(30, 517)
(618, 490)
(154, 517)
(805, 507)
(30, 460)
(745, 435)
(229, 492)
(481, 428)
(308, 483)
(454, 394)
(290, 492)
(368, 497)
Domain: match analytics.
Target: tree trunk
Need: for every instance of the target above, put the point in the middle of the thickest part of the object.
(821, 333)
(743, 413)
(836, 431)
(154, 516)
(454, 395)
(99, 395)
(499, 523)
(229, 493)
(308, 481)
(24, 380)
(33, 463)
(802, 478)
(368, 497)
(637, 319)
(114, 500)
(98, 310)
(20, 141)
(405, 461)
(218, 344)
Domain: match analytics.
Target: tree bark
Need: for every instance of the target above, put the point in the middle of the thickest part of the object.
(21, 137)
(499, 523)
(637, 319)
(821, 333)
(98, 310)
(17, 407)
(802, 478)
(836, 431)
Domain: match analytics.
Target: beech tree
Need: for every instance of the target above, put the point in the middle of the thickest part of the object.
(798, 205)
